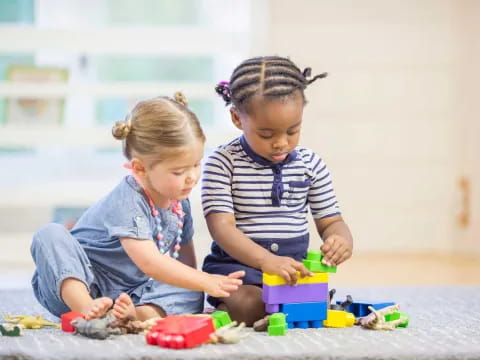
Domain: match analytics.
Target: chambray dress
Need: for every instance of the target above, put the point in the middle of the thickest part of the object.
(92, 252)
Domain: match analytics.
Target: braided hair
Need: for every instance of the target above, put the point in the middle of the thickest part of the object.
(271, 77)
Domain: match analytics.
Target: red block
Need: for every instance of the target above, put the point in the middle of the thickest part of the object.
(67, 318)
(181, 331)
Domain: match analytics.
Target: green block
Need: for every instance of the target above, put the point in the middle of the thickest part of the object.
(396, 316)
(393, 316)
(277, 319)
(277, 330)
(405, 323)
(314, 255)
(277, 324)
(317, 266)
(220, 318)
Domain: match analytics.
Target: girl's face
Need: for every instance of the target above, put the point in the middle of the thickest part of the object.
(174, 177)
(272, 128)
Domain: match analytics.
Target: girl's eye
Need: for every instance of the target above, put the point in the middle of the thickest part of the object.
(265, 136)
(290, 133)
(178, 173)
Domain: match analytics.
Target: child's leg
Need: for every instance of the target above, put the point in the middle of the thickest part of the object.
(76, 296)
(245, 304)
(62, 280)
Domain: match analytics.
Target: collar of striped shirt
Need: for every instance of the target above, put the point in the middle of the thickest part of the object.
(260, 159)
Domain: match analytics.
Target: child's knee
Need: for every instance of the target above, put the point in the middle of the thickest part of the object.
(247, 306)
(48, 236)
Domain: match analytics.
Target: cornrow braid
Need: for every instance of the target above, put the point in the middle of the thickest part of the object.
(273, 77)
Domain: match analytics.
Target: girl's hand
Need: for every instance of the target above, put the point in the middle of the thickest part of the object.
(336, 250)
(286, 267)
(222, 286)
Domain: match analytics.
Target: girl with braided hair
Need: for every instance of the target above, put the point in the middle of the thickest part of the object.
(117, 254)
(256, 188)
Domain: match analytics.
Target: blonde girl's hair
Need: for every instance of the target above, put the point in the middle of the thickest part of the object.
(158, 126)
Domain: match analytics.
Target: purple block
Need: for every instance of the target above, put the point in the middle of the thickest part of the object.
(272, 308)
(281, 294)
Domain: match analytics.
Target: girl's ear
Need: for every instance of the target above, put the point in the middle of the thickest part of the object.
(235, 118)
(138, 167)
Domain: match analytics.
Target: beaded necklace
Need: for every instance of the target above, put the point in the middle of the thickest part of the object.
(176, 208)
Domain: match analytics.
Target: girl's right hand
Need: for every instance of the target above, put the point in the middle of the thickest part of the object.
(221, 285)
(286, 267)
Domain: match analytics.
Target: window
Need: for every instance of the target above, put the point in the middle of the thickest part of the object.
(114, 53)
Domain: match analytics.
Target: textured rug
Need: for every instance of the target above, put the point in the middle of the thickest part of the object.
(444, 324)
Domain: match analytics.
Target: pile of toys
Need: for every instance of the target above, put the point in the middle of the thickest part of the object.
(308, 304)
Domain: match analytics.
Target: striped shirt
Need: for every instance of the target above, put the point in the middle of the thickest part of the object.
(269, 200)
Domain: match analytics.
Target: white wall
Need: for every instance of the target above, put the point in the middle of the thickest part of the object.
(385, 119)
(467, 16)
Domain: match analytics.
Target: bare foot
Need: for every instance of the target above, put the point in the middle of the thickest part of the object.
(124, 308)
(97, 308)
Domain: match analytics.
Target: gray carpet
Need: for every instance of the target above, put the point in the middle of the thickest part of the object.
(444, 324)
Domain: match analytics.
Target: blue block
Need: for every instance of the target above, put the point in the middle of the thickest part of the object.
(305, 324)
(360, 308)
(308, 311)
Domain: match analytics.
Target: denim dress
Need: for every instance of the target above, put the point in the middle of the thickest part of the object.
(92, 253)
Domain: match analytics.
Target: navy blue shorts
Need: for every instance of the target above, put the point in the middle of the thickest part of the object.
(220, 262)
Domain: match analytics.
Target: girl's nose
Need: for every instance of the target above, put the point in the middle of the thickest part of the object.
(191, 178)
(280, 143)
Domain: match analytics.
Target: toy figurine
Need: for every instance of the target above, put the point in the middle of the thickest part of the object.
(95, 328)
(343, 306)
(262, 324)
(28, 322)
(376, 319)
(229, 334)
(150, 323)
(10, 330)
(129, 326)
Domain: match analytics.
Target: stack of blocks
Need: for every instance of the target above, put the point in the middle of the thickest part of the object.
(306, 303)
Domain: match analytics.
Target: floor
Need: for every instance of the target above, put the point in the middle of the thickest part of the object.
(362, 269)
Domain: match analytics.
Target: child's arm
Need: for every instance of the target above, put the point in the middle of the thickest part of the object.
(145, 254)
(187, 254)
(224, 231)
(337, 240)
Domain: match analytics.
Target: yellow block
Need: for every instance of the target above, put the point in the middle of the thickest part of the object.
(339, 319)
(272, 280)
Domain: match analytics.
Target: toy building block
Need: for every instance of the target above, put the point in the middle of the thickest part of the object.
(67, 319)
(181, 331)
(272, 308)
(273, 280)
(277, 326)
(339, 319)
(220, 318)
(313, 262)
(305, 315)
(284, 294)
(12, 330)
(360, 308)
(396, 315)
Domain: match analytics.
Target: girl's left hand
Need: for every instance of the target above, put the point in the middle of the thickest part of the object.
(336, 249)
